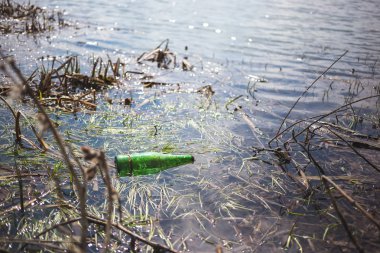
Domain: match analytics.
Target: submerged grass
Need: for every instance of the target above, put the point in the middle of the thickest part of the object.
(296, 178)
(62, 196)
(312, 147)
(97, 162)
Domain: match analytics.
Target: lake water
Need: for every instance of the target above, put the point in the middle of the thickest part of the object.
(223, 198)
(287, 42)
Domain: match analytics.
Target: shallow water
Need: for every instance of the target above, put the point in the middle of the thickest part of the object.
(222, 198)
(287, 42)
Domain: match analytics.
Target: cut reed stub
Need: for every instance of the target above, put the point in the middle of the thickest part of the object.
(148, 163)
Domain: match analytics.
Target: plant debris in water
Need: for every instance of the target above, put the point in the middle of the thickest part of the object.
(27, 18)
(163, 56)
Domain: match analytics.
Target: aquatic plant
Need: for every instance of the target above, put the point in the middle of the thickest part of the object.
(27, 18)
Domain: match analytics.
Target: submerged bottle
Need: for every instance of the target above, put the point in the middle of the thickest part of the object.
(148, 163)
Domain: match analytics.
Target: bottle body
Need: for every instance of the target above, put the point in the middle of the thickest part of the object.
(147, 163)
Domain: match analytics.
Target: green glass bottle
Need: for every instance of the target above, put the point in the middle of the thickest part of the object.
(148, 163)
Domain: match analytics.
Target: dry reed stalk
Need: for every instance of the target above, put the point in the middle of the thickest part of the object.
(19, 79)
(318, 118)
(155, 246)
(163, 56)
(307, 89)
(341, 217)
(355, 151)
(98, 161)
(352, 201)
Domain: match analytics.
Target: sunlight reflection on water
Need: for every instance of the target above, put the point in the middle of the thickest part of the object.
(286, 42)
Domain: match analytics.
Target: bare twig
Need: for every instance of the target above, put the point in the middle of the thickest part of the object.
(319, 118)
(26, 204)
(17, 125)
(42, 243)
(354, 149)
(56, 226)
(110, 193)
(20, 183)
(155, 246)
(352, 201)
(251, 125)
(8, 105)
(8, 177)
(341, 217)
(18, 76)
(17, 128)
(307, 151)
(307, 89)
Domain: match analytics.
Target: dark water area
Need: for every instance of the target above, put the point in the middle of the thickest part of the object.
(262, 53)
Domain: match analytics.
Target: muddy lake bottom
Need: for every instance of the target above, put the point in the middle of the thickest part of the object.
(245, 192)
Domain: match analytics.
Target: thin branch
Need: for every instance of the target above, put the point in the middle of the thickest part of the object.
(155, 246)
(311, 85)
(354, 149)
(17, 127)
(310, 156)
(341, 217)
(42, 243)
(14, 177)
(8, 105)
(110, 192)
(56, 226)
(319, 117)
(81, 187)
(26, 204)
(352, 201)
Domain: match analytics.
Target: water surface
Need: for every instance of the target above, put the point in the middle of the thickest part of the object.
(223, 198)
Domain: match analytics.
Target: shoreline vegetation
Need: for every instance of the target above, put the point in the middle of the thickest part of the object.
(324, 169)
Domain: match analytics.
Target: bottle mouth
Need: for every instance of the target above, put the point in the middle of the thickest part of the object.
(116, 164)
(121, 164)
